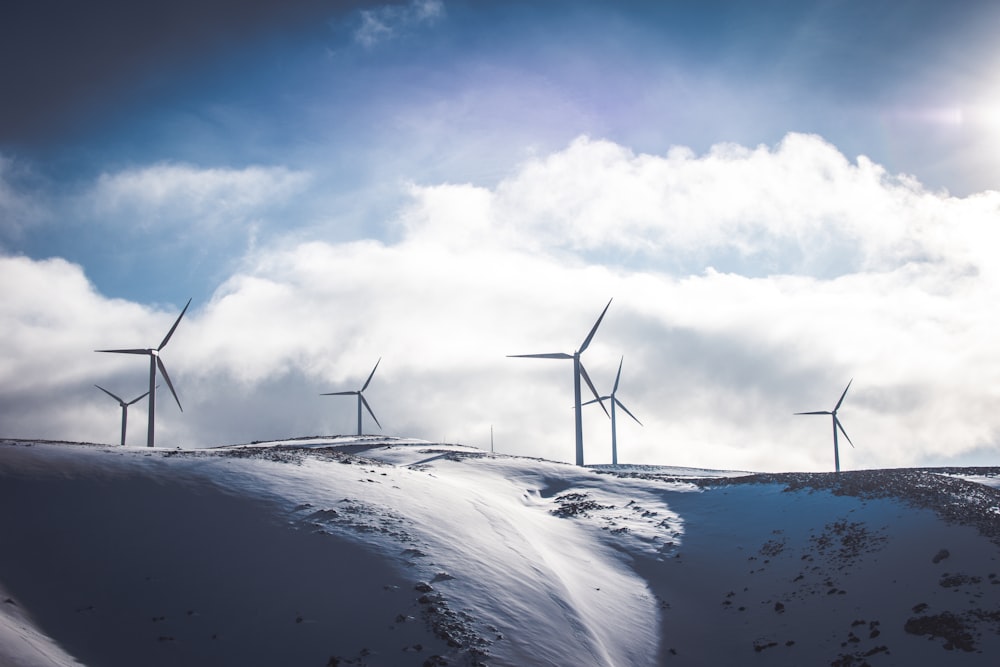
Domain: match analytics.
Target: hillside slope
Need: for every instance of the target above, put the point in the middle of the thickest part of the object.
(374, 551)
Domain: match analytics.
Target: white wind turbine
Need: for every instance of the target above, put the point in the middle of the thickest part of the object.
(578, 372)
(836, 425)
(156, 362)
(614, 401)
(361, 397)
(124, 405)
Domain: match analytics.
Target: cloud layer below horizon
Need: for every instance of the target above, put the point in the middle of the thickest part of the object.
(748, 283)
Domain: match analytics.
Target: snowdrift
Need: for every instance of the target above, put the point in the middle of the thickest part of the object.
(380, 551)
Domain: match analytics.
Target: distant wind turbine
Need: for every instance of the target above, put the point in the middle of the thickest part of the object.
(154, 362)
(614, 401)
(836, 425)
(124, 405)
(361, 397)
(578, 372)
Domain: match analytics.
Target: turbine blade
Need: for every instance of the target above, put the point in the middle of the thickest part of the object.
(369, 408)
(583, 372)
(618, 377)
(171, 332)
(824, 412)
(163, 372)
(842, 397)
(108, 393)
(130, 351)
(341, 393)
(622, 406)
(372, 375)
(590, 336)
(841, 427)
(551, 355)
(136, 400)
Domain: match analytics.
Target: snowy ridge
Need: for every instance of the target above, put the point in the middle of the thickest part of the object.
(382, 551)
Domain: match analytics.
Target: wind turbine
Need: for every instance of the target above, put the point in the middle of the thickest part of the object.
(836, 425)
(154, 362)
(578, 372)
(361, 397)
(614, 401)
(124, 405)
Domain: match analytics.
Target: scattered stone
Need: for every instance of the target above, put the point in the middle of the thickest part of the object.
(772, 548)
(940, 556)
(955, 580)
(576, 504)
(945, 625)
(763, 644)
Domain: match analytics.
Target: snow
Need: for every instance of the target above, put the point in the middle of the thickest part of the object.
(21, 644)
(384, 551)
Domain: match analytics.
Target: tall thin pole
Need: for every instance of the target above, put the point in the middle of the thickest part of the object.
(152, 398)
(124, 419)
(836, 448)
(614, 434)
(579, 409)
(359, 413)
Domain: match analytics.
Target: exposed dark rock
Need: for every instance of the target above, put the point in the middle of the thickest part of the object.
(945, 625)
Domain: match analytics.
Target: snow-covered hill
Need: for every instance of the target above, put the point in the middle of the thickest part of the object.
(380, 551)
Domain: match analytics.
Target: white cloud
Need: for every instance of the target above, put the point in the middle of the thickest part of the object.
(389, 21)
(18, 209)
(838, 270)
(182, 194)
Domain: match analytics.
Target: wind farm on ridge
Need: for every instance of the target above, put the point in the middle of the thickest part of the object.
(580, 376)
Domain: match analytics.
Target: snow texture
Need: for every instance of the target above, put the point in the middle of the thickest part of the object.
(381, 551)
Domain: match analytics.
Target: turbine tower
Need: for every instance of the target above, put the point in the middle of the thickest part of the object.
(578, 372)
(124, 405)
(361, 397)
(836, 425)
(154, 362)
(614, 401)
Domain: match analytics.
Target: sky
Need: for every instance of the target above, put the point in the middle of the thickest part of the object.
(777, 197)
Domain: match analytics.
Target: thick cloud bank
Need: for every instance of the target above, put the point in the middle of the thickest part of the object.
(748, 284)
